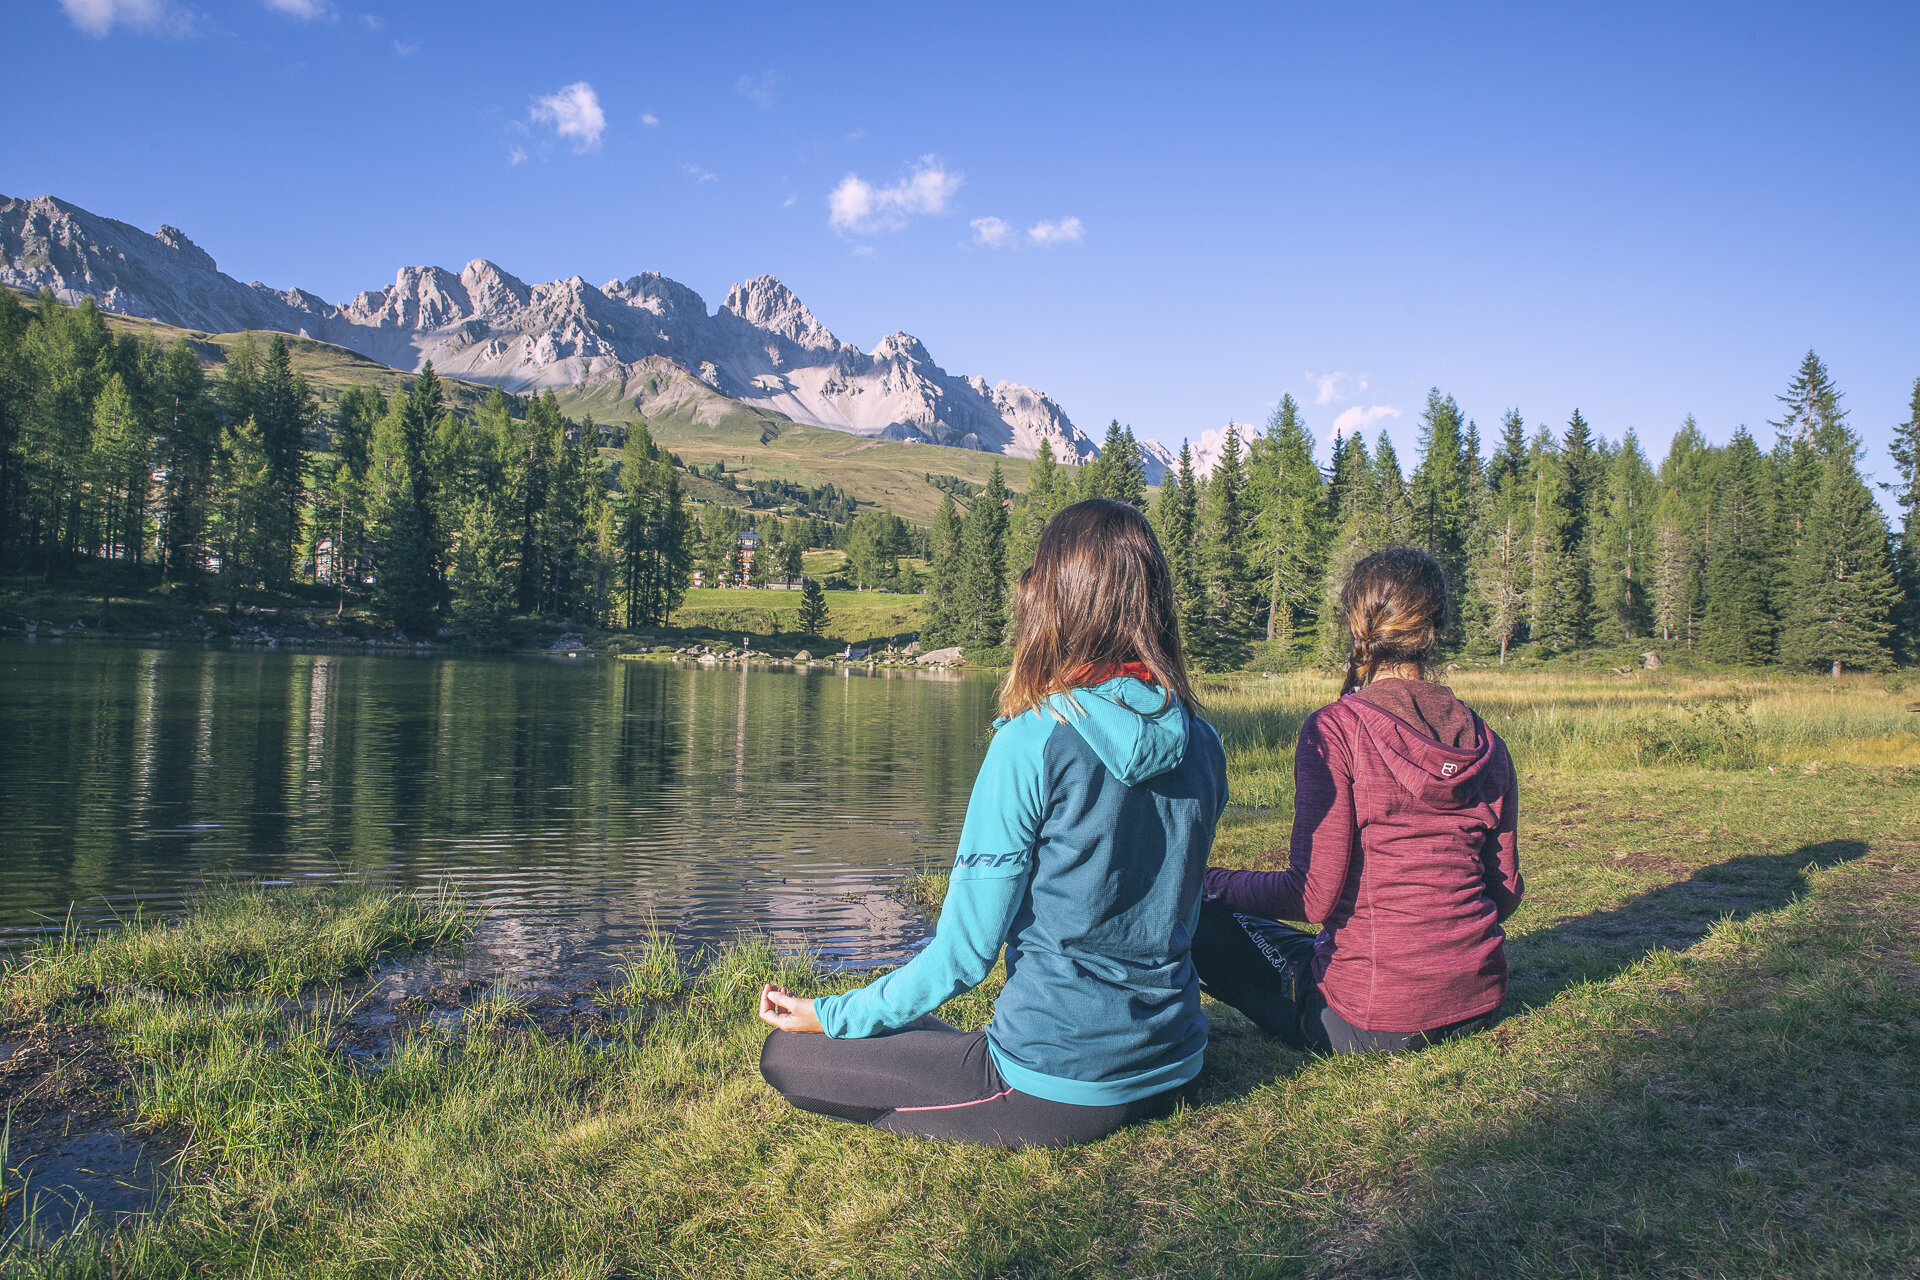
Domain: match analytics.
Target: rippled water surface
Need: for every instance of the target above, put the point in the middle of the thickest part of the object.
(582, 801)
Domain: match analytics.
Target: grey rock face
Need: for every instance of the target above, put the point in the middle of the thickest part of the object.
(763, 346)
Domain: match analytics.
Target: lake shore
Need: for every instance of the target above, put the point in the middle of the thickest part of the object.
(1704, 1069)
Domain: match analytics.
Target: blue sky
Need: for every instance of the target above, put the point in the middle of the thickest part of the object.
(1156, 215)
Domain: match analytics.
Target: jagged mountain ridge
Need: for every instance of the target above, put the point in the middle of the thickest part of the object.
(763, 346)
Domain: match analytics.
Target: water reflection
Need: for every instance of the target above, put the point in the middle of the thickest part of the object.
(582, 801)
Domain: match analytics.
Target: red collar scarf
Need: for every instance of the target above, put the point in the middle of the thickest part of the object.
(1101, 672)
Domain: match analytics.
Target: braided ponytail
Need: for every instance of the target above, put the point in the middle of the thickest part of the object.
(1394, 606)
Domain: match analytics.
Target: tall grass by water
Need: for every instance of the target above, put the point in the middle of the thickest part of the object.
(1572, 721)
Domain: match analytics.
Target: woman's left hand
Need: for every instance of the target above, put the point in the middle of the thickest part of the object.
(786, 1011)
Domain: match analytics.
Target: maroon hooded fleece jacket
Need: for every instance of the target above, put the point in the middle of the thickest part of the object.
(1405, 848)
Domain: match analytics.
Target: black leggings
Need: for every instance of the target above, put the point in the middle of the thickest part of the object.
(1265, 970)
(933, 1081)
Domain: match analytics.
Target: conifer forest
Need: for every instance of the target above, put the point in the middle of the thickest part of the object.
(1765, 548)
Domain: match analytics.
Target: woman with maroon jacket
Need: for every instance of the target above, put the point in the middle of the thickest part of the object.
(1405, 809)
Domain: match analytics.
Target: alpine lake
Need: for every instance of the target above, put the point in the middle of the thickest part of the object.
(585, 802)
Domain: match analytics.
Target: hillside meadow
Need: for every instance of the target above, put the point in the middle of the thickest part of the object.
(1705, 1069)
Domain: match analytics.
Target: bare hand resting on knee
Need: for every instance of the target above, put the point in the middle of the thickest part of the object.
(786, 1011)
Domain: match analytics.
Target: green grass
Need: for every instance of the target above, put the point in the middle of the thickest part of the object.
(1706, 1071)
(852, 616)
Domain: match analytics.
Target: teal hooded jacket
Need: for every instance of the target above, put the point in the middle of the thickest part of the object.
(1084, 846)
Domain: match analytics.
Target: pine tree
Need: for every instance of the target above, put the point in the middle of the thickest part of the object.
(1843, 585)
(406, 572)
(875, 542)
(533, 464)
(246, 514)
(1906, 491)
(1360, 522)
(119, 471)
(1498, 576)
(1231, 586)
(283, 408)
(1563, 556)
(1119, 473)
(1737, 624)
(982, 619)
(649, 539)
(187, 434)
(1048, 493)
(1680, 522)
(1176, 518)
(814, 615)
(942, 626)
(1623, 544)
(1288, 492)
(1813, 414)
(1443, 495)
(1389, 493)
(483, 571)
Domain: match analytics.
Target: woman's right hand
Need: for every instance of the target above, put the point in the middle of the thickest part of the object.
(788, 1012)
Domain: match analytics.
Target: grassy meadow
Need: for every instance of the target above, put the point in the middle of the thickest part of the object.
(1705, 1071)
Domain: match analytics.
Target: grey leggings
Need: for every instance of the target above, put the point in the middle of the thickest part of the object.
(1265, 970)
(933, 1081)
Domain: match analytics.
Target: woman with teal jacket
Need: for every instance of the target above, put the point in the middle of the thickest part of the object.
(1083, 851)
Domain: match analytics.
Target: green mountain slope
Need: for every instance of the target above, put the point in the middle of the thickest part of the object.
(684, 414)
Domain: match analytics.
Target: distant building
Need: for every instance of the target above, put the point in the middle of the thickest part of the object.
(749, 548)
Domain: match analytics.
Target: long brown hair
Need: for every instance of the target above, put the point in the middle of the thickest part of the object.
(1394, 607)
(1098, 594)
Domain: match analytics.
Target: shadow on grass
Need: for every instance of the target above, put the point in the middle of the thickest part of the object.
(1543, 963)
(1593, 948)
(1748, 1112)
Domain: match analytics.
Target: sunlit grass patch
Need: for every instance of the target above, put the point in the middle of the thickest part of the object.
(249, 941)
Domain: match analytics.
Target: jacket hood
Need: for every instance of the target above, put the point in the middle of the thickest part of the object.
(1135, 729)
(1440, 776)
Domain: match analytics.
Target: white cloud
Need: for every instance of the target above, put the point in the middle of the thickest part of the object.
(1358, 419)
(793, 198)
(516, 155)
(373, 20)
(98, 17)
(860, 207)
(402, 49)
(650, 120)
(1329, 387)
(305, 10)
(992, 232)
(998, 233)
(762, 90)
(574, 112)
(700, 175)
(1048, 234)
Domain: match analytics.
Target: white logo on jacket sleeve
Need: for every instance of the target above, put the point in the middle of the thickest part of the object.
(1448, 769)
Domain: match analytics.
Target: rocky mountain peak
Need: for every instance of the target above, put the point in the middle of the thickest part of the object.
(766, 304)
(190, 253)
(493, 293)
